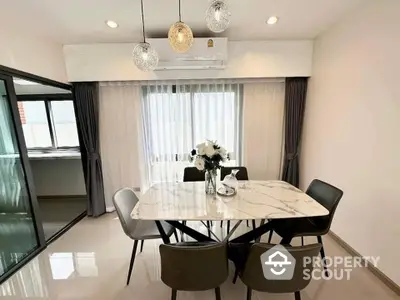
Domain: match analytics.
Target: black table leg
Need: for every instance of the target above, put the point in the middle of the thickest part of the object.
(245, 238)
(262, 222)
(253, 234)
(209, 226)
(190, 232)
(164, 236)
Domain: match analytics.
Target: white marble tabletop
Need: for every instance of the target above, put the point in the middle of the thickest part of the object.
(254, 200)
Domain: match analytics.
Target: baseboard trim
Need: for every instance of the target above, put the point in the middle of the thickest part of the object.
(110, 209)
(61, 197)
(378, 273)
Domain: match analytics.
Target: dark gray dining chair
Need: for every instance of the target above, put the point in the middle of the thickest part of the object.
(325, 194)
(193, 174)
(241, 175)
(194, 266)
(124, 201)
(253, 276)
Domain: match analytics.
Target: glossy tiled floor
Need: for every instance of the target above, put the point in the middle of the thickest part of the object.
(91, 260)
(58, 212)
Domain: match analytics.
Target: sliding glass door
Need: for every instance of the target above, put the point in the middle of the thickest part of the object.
(18, 231)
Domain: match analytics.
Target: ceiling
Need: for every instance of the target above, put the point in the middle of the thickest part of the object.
(32, 88)
(83, 21)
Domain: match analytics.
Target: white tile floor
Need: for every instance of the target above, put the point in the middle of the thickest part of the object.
(91, 262)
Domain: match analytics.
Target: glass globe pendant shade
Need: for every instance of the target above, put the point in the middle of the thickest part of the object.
(218, 16)
(180, 37)
(145, 57)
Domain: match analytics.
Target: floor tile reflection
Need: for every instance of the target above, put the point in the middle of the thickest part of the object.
(91, 262)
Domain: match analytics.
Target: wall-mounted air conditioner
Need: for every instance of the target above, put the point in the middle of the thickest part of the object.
(206, 53)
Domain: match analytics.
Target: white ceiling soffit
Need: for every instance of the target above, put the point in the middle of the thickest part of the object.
(83, 21)
(26, 87)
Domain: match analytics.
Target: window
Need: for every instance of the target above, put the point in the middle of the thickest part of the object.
(34, 124)
(178, 117)
(49, 124)
(64, 123)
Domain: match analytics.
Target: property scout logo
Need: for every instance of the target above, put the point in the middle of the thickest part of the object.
(278, 264)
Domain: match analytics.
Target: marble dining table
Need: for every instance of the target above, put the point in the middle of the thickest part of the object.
(187, 201)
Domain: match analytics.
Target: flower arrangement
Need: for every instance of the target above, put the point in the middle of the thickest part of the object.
(208, 157)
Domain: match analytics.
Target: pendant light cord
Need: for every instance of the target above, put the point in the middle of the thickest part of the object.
(180, 18)
(141, 5)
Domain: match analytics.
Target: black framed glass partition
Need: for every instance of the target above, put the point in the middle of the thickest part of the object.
(42, 185)
(49, 127)
(19, 233)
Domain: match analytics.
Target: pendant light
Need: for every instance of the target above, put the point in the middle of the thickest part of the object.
(218, 16)
(180, 35)
(145, 57)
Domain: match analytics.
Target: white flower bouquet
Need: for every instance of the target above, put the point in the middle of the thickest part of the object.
(208, 157)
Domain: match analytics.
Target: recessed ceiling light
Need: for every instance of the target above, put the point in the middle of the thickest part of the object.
(272, 20)
(111, 24)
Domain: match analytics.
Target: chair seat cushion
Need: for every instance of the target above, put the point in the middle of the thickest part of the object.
(194, 244)
(146, 230)
(288, 228)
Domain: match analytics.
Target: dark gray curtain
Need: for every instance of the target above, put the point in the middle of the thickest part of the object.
(87, 112)
(295, 99)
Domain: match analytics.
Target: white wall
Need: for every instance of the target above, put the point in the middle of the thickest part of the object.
(113, 62)
(58, 177)
(351, 134)
(23, 51)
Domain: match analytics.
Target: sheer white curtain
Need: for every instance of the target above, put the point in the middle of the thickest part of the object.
(263, 124)
(179, 115)
(120, 120)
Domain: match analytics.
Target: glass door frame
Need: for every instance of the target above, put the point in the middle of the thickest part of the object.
(37, 221)
(7, 74)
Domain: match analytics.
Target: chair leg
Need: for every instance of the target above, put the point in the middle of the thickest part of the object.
(209, 228)
(235, 276)
(249, 292)
(141, 246)
(173, 294)
(217, 293)
(297, 295)
(228, 228)
(183, 223)
(319, 238)
(222, 223)
(176, 236)
(286, 241)
(302, 241)
(247, 223)
(271, 232)
(135, 244)
(253, 222)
